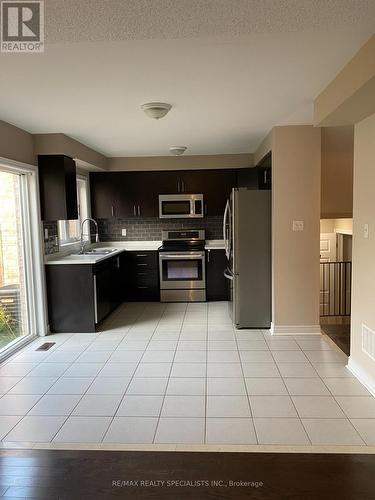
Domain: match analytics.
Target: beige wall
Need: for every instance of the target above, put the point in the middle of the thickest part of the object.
(337, 172)
(63, 144)
(336, 225)
(264, 148)
(349, 98)
(363, 310)
(187, 162)
(16, 144)
(296, 157)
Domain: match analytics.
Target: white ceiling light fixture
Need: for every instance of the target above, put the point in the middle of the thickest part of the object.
(156, 110)
(177, 150)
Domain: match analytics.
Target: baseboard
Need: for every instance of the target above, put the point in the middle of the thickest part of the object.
(295, 329)
(367, 380)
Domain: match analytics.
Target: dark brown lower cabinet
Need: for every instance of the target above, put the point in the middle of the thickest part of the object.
(141, 275)
(81, 295)
(217, 284)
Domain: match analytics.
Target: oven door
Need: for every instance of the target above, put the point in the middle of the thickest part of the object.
(182, 270)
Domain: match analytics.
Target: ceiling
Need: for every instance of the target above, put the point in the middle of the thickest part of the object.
(232, 69)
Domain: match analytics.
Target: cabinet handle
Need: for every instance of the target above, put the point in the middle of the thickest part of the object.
(134, 211)
(183, 186)
(265, 177)
(139, 210)
(112, 211)
(141, 255)
(142, 264)
(178, 187)
(208, 255)
(95, 301)
(142, 287)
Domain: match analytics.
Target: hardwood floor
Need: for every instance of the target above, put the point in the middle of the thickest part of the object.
(55, 474)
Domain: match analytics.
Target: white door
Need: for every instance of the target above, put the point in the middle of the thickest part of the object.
(328, 250)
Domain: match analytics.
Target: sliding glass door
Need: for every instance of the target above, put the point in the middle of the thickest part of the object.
(16, 294)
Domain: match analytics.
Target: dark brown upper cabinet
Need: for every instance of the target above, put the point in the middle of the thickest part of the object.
(136, 194)
(58, 187)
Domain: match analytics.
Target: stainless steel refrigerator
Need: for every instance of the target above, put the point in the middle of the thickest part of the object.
(247, 235)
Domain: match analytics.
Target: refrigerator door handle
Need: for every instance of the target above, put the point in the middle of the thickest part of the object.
(228, 274)
(227, 233)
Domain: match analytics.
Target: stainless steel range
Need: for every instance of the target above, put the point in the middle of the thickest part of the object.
(182, 266)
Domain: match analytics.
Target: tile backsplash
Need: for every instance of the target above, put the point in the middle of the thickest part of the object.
(140, 229)
(150, 228)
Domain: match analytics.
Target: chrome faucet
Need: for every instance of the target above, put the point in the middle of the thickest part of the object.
(96, 235)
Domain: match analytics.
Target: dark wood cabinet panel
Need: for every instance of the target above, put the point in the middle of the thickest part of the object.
(265, 172)
(70, 295)
(220, 185)
(81, 295)
(248, 178)
(102, 193)
(108, 278)
(58, 187)
(136, 194)
(217, 284)
(141, 276)
(264, 178)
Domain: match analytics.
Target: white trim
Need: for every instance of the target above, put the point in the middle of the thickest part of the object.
(344, 231)
(202, 448)
(365, 378)
(295, 329)
(16, 166)
(34, 240)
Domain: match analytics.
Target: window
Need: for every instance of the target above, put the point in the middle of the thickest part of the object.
(70, 230)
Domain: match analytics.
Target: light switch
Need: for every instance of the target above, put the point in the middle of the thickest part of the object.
(123, 232)
(366, 231)
(298, 225)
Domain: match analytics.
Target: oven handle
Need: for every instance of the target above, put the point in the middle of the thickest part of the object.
(182, 257)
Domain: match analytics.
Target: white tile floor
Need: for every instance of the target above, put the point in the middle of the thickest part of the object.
(178, 373)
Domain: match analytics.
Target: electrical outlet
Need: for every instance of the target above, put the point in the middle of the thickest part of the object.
(298, 225)
(366, 231)
(123, 232)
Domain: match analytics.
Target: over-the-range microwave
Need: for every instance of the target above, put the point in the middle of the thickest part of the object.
(181, 206)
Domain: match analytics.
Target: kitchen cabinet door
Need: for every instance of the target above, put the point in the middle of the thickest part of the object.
(108, 278)
(102, 193)
(218, 185)
(248, 178)
(264, 178)
(112, 194)
(126, 194)
(58, 187)
(147, 187)
(217, 284)
(141, 277)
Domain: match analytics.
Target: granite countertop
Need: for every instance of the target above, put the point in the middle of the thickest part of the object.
(119, 246)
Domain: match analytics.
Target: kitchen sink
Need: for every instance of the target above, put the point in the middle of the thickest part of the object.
(97, 251)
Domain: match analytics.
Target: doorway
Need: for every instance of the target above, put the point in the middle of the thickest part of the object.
(336, 280)
(18, 267)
